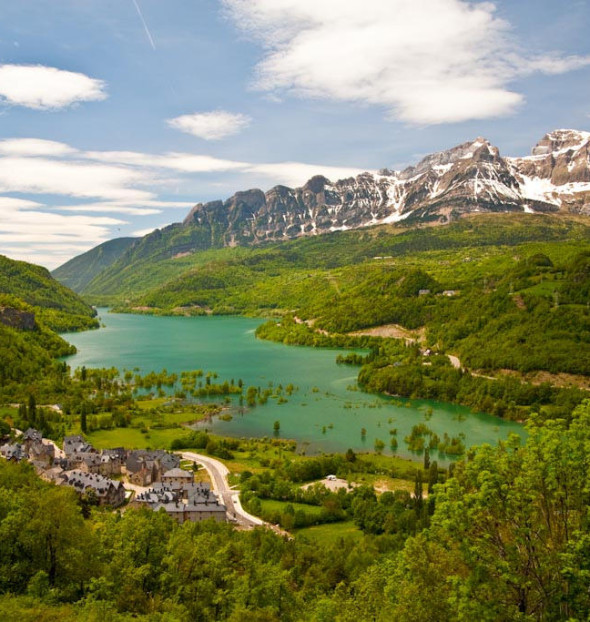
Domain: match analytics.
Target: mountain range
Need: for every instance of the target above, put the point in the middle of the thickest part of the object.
(470, 178)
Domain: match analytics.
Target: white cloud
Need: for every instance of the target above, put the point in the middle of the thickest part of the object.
(211, 125)
(183, 162)
(297, 173)
(7, 203)
(23, 231)
(81, 189)
(103, 208)
(290, 173)
(46, 88)
(427, 62)
(34, 147)
(48, 176)
(133, 208)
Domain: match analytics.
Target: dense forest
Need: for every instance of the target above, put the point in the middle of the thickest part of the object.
(504, 538)
(56, 306)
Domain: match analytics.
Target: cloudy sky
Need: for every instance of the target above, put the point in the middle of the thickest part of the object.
(116, 116)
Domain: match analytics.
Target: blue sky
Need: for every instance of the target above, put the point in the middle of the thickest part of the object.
(117, 115)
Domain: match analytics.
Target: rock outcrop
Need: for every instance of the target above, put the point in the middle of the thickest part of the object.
(16, 318)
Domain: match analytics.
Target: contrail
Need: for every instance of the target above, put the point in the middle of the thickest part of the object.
(147, 30)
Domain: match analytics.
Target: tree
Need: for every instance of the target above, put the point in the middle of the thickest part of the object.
(432, 477)
(32, 410)
(276, 427)
(418, 499)
(508, 539)
(350, 456)
(83, 422)
(426, 459)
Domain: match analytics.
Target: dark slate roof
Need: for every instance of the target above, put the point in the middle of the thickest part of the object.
(32, 435)
(76, 444)
(140, 457)
(178, 473)
(81, 481)
(116, 452)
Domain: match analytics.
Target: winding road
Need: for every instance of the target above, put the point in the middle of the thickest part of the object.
(231, 498)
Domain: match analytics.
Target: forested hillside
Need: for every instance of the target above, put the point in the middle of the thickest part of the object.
(498, 293)
(80, 270)
(33, 308)
(55, 304)
(505, 539)
(166, 254)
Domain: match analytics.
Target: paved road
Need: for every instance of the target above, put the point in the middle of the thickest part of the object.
(231, 498)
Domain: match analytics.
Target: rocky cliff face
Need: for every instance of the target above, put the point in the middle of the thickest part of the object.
(472, 177)
(15, 318)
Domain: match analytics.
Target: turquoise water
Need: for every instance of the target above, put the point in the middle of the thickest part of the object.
(227, 345)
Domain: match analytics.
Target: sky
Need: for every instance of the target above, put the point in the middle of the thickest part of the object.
(116, 116)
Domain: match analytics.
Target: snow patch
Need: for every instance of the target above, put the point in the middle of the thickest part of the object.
(538, 189)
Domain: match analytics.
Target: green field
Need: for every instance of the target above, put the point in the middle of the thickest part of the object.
(133, 438)
(330, 533)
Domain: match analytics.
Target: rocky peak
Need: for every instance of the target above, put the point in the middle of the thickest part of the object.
(316, 184)
(559, 141)
(561, 157)
(478, 149)
(470, 177)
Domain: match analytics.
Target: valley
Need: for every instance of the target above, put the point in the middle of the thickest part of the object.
(433, 363)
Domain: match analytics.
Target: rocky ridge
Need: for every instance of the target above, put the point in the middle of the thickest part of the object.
(471, 177)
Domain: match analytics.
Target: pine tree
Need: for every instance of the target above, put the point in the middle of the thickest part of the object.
(418, 500)
(432, 477)
(32, 410)
(83, 422)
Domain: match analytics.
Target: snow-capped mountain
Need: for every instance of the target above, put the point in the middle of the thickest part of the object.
(472, 177)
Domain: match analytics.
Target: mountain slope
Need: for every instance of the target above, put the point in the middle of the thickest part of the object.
(59, 307)
(470, 178)
(80, 270)
(33, 307)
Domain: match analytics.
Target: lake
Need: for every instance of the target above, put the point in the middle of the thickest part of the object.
(327, 412)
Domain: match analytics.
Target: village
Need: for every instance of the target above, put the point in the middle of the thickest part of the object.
(119, 477)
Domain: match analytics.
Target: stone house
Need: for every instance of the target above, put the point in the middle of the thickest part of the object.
(30, 437)
(183, 512)
(153, 464)
(76, 445)
(88, 462)
(178, 476)
(145, 476)
(109, 464)
(107, 491)
(40, 454)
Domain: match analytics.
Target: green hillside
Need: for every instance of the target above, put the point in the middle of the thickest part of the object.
(169, 253)
(33, 307)
(516, 288)
(153, 260)
(57, 306)
(26, 352)
(80, 270)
